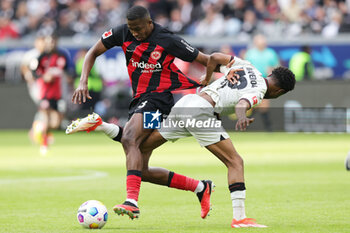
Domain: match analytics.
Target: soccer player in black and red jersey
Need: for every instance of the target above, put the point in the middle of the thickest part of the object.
(150, 51)
(50, 72)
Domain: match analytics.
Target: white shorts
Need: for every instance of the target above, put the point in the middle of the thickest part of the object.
(198, 120)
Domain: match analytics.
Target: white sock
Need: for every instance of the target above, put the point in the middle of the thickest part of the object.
(132, 201)
(238, 198)
(111, 130)
(199, 187)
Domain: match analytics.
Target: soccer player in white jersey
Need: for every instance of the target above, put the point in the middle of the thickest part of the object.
(220, 97)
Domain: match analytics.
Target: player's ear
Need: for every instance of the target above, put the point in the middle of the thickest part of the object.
(280, 92)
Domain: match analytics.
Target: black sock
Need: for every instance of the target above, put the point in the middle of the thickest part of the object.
(120, 134)
(238, 186)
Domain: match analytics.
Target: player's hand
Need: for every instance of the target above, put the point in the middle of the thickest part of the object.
(203, 80)
(81, 94)
(243, 123)
(232, 76)
(47, 77)
(230, 63)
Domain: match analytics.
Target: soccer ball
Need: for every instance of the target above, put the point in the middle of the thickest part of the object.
(92, 214)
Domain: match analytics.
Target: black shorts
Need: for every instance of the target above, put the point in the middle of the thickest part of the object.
(49, 103)
(150, 102)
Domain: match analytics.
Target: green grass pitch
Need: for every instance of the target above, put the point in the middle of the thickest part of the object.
(295, 183)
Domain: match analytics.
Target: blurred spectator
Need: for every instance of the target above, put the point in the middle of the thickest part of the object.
(29, 64)
(260, 10)
(8, 29)
(221, 17)
(345, 10)
(264, 59)
(310, 9)
(175, 24)
(186, 7)
(213, 23)
(235, 9)
(301, 64)
(319, 20)
(332, 28)
(7, 8)
(292, 10)
(65, 24)
(111, 13)
(250, 22)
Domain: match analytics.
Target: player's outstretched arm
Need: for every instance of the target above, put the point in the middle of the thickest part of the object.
(242, 120)
(202, 58)
(215, 59)
(213, 65)
(82, 92)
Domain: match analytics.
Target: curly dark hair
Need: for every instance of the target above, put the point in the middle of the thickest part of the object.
(284, 77)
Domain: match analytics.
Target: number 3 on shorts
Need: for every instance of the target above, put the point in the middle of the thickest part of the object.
(143, 104)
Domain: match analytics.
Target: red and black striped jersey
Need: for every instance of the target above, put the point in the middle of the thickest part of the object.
(150, 62)
(47, 61)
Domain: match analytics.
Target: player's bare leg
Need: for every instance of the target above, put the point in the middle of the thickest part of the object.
(133, 135)
(225, 151)
(153, 175)
(45, 111)
(162, 176)
(93, 122)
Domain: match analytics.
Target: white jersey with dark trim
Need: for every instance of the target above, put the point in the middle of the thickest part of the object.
(251, 86)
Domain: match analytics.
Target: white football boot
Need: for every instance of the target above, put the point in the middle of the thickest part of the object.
(87, 124)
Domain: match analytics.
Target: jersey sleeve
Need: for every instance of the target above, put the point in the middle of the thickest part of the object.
(240, 62)
(253, 98)
(181, 49)
(39, 68)
(114, 36)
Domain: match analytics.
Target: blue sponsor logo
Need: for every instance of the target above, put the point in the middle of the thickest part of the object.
(152, 120)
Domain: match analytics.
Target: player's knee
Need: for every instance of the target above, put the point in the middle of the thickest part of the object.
(128, 139)
(235, 161)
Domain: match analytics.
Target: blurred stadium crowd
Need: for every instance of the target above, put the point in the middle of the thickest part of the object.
(42, 22)
(74, 18)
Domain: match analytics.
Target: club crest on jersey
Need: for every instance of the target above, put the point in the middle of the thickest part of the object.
(155, 55)
(107, 34)
(255, 100)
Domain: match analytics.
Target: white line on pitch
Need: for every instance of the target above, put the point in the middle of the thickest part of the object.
(90, 174)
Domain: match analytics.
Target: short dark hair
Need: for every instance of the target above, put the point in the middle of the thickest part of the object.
(305, 48)
(137, 12)
(285, 78)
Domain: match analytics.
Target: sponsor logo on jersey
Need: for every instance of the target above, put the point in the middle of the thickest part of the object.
(147, 67)
(107, 34)
(188, 46)
(155, 55)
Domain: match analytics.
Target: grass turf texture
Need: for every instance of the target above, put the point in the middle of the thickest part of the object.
(295, 183)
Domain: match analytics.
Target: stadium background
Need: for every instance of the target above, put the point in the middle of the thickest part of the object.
(211, 25)
(296, 182)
